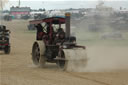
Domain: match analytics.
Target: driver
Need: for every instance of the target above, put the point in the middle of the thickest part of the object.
(40, 32)
(60, 36)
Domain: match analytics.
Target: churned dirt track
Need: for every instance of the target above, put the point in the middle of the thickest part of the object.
(18, 69)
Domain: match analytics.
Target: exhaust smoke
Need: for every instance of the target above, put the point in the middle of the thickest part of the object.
(2, 4)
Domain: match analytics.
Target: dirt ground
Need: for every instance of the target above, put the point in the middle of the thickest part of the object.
(17, 68)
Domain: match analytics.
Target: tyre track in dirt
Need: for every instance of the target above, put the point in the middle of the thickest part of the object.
(86, 78)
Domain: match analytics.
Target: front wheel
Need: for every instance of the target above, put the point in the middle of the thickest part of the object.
(7, 50)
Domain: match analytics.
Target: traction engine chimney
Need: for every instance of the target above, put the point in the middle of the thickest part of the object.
(67, 17)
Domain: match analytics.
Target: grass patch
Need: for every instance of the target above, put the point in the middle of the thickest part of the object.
(94, 38)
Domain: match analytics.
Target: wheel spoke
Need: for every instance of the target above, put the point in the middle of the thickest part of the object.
(61, 63)
(37, 53)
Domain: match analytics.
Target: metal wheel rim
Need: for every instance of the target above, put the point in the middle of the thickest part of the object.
(61, 63)
(36, 54)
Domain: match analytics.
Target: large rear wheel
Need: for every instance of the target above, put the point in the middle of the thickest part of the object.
(38, 53)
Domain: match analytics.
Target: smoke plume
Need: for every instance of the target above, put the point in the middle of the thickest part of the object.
(2, 3)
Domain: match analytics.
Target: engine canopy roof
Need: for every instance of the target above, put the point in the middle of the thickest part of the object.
(52, 20)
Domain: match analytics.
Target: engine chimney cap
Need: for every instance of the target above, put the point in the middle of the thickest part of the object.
(67, 14)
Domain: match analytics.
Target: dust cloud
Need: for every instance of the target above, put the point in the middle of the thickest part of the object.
(98, 59)
(106, 58)
(106, 40)
(107, 48)
(102, 58)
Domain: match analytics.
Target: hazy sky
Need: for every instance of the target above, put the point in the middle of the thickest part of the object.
(62, 4)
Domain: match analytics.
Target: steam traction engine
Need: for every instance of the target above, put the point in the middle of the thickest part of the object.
(54, 44)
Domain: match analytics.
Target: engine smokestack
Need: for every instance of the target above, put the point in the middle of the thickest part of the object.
(67, 16)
